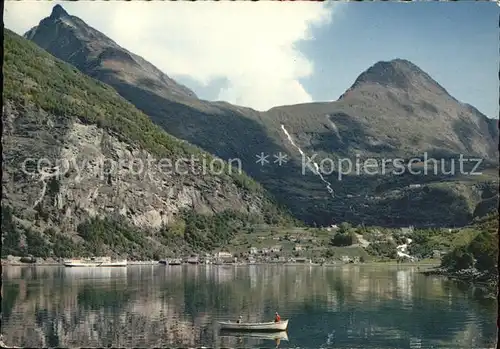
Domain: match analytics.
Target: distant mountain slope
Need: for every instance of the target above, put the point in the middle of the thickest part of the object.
(78, 158)
(98, 56)
(393, 109)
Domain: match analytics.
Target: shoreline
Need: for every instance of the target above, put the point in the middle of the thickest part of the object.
(3, 345)
(490, 285)
(59, 264)
(425, 264)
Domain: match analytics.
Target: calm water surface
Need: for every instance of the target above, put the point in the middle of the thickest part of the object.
(179, 306)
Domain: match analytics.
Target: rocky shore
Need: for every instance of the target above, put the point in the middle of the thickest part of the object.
(473, 276)
(37, 261)
(13, 260)
(27, 261)
(3, 345)
(425, 263)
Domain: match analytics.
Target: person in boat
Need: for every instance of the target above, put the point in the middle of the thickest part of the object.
(277, 317)
(239, 320)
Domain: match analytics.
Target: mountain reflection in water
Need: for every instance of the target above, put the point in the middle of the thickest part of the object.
(161, 306)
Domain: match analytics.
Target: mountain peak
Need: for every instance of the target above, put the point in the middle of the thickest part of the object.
(71, 39)
(397, 73)
(58, 12)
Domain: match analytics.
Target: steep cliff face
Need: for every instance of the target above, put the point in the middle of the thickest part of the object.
(84, 170)
(73, 149)
(393, 110)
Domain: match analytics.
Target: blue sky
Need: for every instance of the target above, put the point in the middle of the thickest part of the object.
(457, 44)
(264, 54)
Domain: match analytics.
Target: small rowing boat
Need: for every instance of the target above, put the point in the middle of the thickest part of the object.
(254, 326)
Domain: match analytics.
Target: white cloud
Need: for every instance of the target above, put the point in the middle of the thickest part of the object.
(251, 44)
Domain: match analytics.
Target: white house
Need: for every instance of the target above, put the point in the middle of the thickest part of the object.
(408, 230)
(276, 248)
(223, 254)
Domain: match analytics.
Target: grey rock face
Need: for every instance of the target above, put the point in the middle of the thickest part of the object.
(76, 171)
(393, 110)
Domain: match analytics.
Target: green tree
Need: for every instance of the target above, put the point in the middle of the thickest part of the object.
(383, 249)
(343, 239)
(10, 235)
(481, 252)
(328, 253)
(458, 259)
(37, 246)
(484, 248)
(344, 228)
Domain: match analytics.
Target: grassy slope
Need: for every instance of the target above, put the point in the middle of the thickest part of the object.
(33, 75)
(446, 199)
(485, 229)
(316, 241)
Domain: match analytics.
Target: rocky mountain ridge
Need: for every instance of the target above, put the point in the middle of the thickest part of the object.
(74, 151)
(99, 56)
(393, 110)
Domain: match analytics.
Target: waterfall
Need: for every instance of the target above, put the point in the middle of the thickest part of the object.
(334, 127)
(403, 249)
(314, 169)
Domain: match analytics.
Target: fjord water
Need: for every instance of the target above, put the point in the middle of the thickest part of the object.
(179, 306)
